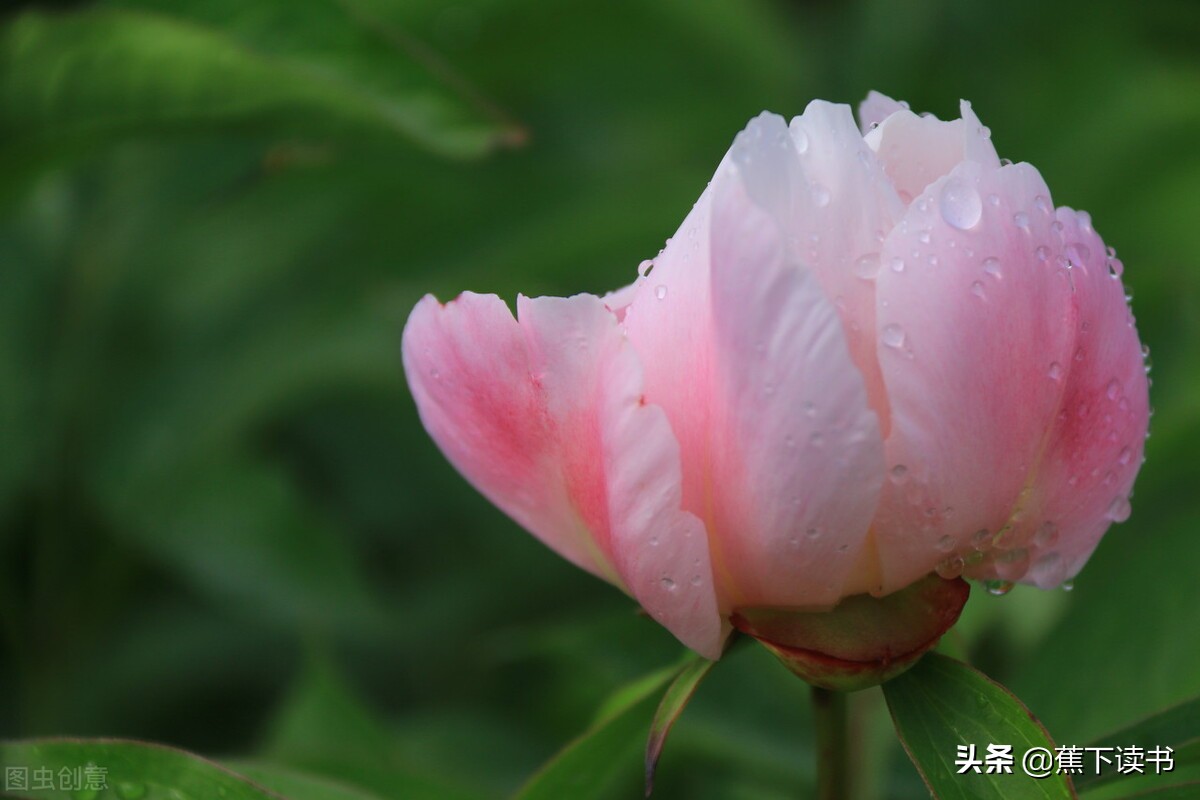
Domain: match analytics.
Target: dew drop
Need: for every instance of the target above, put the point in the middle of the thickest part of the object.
(1125, 456)
(1042, 252)
(660, 292)
(992, 267)
(977, 289)
(813, 533)
(960, 204)
(1068, 585)
(1046, 536)
(998, 588)
(667, 583)
(867, 267)
(696, 580)
(1021, 220)
(820, 195)
(799, 137)
(950, 568)
(1042, 204)
(645, 267)
(1113, 390)
(1055, 372)
(945, 544)
(893, 336)
(1119, 509)
(993, 199)
(899, 474)
(816, 440)
(897, 264)
(810, 410)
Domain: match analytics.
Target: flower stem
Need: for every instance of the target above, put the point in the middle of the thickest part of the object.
(833, 744)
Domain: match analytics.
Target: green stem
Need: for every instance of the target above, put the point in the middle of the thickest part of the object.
(833, 744)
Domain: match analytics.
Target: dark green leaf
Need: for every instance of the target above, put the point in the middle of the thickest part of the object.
(134, 770)
(1177, 727)
(942, 704)
(673, 702)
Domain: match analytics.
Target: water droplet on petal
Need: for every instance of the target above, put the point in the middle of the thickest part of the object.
(1119, 509)
(899, 474)
(977, 289)
(660, 292)
(813, 533)
(667, 583)
(799, 137)
(993, 199)
(1055, 372)
(1125, 456)
(1068, 585)
(645, 267)
(1042, 252)
(945, 544)
(897, 264)
(1021, 220)
(1113, 390)
(1047, 535)
(867, 267)
(893, 336)
(820, 195)
(950, 568)
(1042, 204)
(960, 204)
(992, 267)
(998, 588)
(697, 580)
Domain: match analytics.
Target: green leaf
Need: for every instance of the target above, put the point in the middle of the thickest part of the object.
(1177, 727)
(107, 73)
(587, 767)
(942, 704)
(134, 770)
(297, 785)
(1179, 791)
(673, 702)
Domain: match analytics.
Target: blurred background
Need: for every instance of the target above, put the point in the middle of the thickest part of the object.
(221, 523)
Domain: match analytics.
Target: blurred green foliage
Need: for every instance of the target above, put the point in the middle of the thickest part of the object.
(221, 524)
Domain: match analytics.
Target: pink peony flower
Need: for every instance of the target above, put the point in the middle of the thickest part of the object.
(862, 360)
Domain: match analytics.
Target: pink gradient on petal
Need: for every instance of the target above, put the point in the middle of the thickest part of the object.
(969, 336)
(538, 415)
(1094, 449)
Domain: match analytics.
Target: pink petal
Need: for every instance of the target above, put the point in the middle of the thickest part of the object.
(839, 207)
(915, 151)
(545, 418)
(1092, 455)
(876, 108)
(781, 451)
(973, 331)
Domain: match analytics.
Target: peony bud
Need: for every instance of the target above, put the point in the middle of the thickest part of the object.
(863, 360)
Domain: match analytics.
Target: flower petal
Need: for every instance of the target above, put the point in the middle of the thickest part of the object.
(975, 331)
(917, 150)
(545, 418)
(1093, 453)
(876, 108)
(781, 451)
